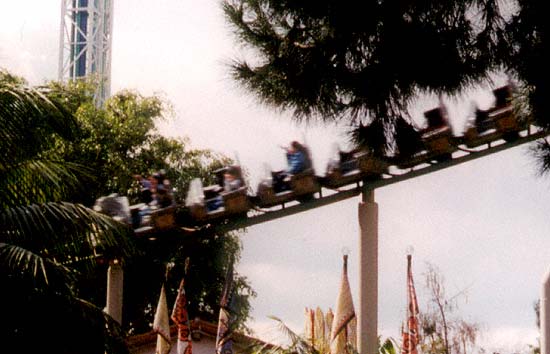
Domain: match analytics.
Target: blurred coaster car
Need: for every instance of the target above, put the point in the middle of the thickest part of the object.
(300, 186)
(115, 206)
(438, 136)
(437, 139)
(227, 197)
(497, 122)
(145, 217)
(352, 167)
(279, 187)
(164, 218)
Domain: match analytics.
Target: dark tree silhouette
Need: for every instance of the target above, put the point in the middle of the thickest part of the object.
(365, 62)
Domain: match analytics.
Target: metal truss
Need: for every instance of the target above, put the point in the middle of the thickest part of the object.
(85, 43)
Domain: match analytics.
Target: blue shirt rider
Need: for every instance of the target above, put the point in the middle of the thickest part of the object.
(296, 158)
(298, 161)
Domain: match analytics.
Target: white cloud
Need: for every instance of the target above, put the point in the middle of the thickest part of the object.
(509, 339)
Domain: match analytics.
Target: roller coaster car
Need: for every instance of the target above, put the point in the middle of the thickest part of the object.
(300, 186)
(164, 218)
(219, 200)
(498, 122)
(437, 139)
(438, 136)
(115, 206)
(352, 167)
(145, 217)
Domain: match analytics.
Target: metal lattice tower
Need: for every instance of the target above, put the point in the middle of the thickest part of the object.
(85, 43)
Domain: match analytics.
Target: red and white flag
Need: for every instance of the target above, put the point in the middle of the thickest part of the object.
(410, 333)
(181, 318)
(224, 341)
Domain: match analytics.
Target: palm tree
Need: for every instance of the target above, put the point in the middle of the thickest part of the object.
(298, 344)
(46, 243)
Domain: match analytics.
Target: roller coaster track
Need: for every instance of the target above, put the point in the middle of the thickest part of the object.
(327, 196)
(460, 156)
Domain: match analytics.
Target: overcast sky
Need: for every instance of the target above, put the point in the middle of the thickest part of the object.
(484, 224)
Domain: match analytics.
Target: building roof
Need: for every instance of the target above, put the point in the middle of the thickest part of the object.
(201, 331)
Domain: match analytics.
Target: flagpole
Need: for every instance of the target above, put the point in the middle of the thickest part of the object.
(367, 323)
(408, 290)
(408, 312)
(411, 335)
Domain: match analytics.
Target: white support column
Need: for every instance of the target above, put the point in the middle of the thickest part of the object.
(115, 284)
(367, 321)
(545, 315)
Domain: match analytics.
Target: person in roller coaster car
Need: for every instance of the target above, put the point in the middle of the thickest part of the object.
(155, 193)
(145, 189)
(231, 182)
(298, 161)
(163, 196)
(345, 162)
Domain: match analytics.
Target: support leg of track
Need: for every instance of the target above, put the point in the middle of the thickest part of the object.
(367, 321)
(115, 278)
(545, 315)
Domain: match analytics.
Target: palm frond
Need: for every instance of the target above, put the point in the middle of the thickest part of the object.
(68, 232)
(34, 269)
(28, 123)
(43, 241)
(39, 180)
(389, 346)
(297, 345)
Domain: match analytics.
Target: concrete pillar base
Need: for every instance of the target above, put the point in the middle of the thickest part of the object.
(115, 284)
(545, 315)
(367, 316)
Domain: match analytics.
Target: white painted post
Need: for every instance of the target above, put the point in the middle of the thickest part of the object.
(367, 321)
(545, 315)
(115, 284)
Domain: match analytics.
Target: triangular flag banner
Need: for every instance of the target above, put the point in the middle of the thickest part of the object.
(329, 317)
(181, 318)
(345, 312)
(161, 325)
(309, 328)
(410, 333)
(224, 342)
(352, 333)
(319, 330)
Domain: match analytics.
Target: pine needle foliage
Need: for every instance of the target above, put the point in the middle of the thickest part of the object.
(364, 62)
